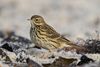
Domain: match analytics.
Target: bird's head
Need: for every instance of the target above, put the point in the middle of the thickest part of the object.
(37, 20)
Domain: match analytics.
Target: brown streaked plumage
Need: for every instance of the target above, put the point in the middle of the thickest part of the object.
(43, 35)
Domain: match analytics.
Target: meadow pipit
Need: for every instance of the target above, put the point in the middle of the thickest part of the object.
(45, 36)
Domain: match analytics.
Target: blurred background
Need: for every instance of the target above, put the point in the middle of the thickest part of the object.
(74, 18)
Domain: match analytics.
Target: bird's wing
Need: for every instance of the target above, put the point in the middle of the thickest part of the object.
(50, 32)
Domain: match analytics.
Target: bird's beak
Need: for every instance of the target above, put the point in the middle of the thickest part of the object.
(29, 19)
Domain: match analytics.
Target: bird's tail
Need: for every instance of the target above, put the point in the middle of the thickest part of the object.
(78, 49)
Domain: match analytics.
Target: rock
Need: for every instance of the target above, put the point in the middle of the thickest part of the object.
(61, 62)
(32, 63)
(15, 42)
(93, 45)
(3, 65)
(7, 47)
(85, 60)
(7, 56)
(19, 65)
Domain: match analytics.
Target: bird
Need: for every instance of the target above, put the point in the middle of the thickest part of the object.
(45, 36)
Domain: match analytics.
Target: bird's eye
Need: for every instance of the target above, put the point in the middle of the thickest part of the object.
(36, 19)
